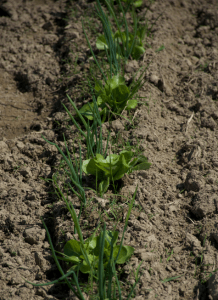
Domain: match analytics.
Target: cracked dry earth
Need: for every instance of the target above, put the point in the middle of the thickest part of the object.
(174, 224)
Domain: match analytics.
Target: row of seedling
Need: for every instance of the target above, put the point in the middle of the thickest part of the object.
(98, 255)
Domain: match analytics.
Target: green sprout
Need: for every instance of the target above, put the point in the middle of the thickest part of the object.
(114, 167)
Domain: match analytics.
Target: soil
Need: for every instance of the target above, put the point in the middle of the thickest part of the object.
(174, 222)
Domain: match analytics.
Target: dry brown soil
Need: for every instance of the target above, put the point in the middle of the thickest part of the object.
(174, 224)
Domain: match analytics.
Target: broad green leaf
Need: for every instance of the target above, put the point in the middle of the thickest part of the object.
(85, 268)
(99, 101)
(118, 98)
(103, 98)
(115, 81)
(137, 160)
(92, 248)
(84, 165)
(74, 259)
(121, 93)
(138, 3)
(72, 248)
(137, 52)
(90, 257)
(108, 239)
(134, 42)
(90, 244)
(118, 36)
(122, 168)
(101, 43)
(139, 163)
(131, 104)
(108, 166)
(127, 154)
(114, 167)
(114, 93)
(125, 253)
(111, 159)
(90, 166)
(85, 111)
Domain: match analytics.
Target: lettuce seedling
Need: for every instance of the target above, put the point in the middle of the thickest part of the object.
(73, 253)
(113, 94)
(88, 111)
(114, 167)
(135, 42)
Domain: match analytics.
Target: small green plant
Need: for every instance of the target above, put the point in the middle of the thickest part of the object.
(169, 254)
(135, 43)
(201, 269)
(93, 136)
(74, 172)
(114, 96)
(74, 255)
(113, 167)
(161, 48)
(106, 274)
(110, 44)
(112, 93)
(124, 42)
